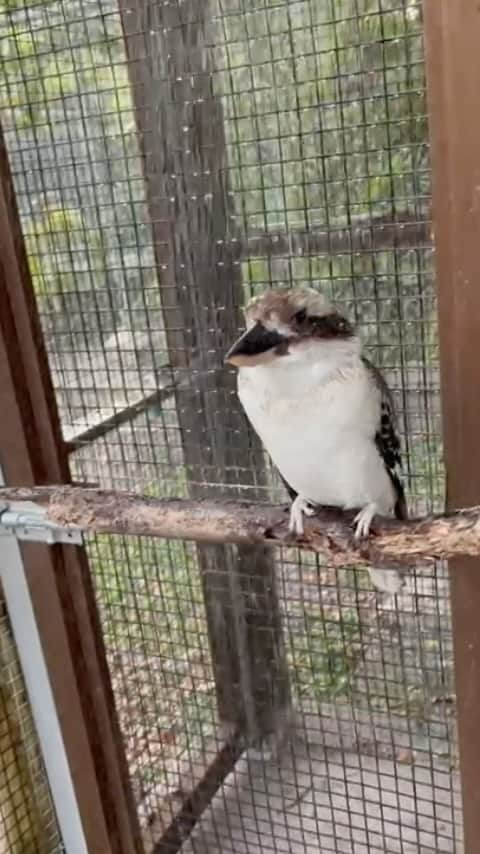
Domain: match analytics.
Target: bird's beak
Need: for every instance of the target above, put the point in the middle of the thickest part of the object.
(254, 346)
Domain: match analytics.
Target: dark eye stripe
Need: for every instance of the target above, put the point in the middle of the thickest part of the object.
(330, 326)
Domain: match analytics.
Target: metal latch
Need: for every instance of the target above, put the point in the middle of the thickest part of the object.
(33, 525)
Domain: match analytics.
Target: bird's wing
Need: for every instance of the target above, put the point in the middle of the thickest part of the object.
(387, 441)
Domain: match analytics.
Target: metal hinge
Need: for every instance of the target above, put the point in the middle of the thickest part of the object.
(32, 525)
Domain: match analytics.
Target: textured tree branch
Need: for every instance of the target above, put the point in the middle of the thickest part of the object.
(329, 533)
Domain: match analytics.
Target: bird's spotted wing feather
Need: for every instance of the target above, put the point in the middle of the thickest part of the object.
(387, 441)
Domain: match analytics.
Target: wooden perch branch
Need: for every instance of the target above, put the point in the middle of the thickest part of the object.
(329, 533)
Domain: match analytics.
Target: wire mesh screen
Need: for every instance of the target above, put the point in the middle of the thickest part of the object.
(28, 821)
(171, 159)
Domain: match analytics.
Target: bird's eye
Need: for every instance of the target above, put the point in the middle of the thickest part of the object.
(300, 315)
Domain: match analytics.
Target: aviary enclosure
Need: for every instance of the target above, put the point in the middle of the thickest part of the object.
(163, 160)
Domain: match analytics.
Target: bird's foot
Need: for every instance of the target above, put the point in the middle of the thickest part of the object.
(299, 508)
(364, 519)
(386, 580)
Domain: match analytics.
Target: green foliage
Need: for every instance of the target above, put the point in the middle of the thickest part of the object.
(64, 255)
(39, 68)
(325, 121)
(175, 487)
(155, 578)
(324, 654)
(153, 617)
(326, 126)
(325, 110)
(67, 113)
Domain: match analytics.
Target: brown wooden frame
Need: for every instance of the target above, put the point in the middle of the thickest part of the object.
(32, 451)
(452, 34)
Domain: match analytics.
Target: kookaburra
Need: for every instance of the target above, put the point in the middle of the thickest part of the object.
(322, 410)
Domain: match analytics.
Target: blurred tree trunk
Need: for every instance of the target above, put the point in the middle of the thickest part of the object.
(181, 126)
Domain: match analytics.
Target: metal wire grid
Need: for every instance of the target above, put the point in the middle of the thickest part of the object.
(28, 821)
(325, 144)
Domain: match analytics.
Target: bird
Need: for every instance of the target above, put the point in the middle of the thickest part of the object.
(322, 410)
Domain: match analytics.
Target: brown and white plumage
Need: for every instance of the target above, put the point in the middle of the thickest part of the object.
(323, 411)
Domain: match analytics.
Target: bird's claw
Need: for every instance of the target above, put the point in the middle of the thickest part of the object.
(385, 580)
(363, 521)
(299, 508)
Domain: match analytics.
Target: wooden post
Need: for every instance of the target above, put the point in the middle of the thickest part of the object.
(452, 34)
(32, 452)
(181, 128)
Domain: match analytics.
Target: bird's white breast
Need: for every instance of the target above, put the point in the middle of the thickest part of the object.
(319, 425)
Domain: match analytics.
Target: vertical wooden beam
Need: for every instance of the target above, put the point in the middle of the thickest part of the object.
(181, 129)
(452, 35)
(32, 452)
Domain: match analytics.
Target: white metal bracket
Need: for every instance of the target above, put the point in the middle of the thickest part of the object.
(16, 591)
(32, 524)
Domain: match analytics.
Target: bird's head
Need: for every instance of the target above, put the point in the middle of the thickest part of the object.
(295, 323)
